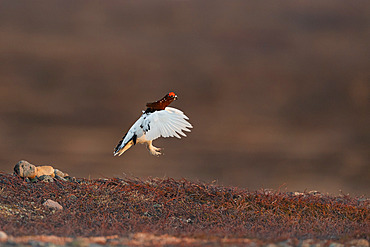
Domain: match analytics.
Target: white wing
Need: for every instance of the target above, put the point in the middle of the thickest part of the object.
(169, 122)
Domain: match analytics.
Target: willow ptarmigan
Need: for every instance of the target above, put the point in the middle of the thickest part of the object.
(157, 120)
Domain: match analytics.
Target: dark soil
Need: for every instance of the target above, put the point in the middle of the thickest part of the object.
(181, 208)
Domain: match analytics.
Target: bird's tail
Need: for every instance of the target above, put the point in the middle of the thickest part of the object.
(123, 147)
(120, 149)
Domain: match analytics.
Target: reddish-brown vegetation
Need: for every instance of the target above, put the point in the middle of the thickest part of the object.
(166, 206)
(104, 207)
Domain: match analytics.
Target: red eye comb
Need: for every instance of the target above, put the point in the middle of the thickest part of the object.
(172, 94)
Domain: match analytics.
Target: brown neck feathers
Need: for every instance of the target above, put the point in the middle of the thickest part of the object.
(160, 104)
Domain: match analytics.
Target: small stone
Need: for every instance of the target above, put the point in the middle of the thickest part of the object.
(44, 170)
(59, 173)
(45, 178)
(52, 205)
(189, 221)
(25, 169)
(3, 236)
(314, 193)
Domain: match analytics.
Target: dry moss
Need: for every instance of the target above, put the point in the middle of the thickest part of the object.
(178, 207)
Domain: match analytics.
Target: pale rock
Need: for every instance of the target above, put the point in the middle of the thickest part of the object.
(3, 236)
(52, 205)
(59, 173)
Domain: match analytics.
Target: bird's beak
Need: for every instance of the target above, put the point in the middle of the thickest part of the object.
(175, 97)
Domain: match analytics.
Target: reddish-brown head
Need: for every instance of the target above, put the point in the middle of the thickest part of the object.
(162, 103)
(172, 95)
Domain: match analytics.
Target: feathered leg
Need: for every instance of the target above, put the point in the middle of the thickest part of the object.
(153, 150)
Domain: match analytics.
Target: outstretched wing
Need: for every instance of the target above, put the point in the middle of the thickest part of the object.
(169, 122)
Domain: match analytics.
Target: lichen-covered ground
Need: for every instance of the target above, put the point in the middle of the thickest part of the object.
(177, 212)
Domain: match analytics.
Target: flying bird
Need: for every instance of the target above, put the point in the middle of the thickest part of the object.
(157, 120)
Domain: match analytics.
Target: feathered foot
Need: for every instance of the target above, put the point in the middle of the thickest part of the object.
(154, 150)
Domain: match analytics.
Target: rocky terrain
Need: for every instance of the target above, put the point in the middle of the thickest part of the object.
(133, 212)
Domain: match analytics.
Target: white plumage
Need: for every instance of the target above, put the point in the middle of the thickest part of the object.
(169, 122)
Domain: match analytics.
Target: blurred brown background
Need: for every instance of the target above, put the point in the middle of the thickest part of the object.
(278, 92)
